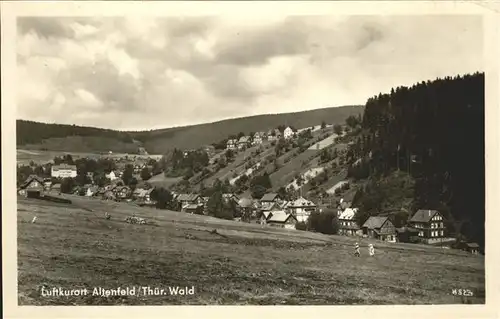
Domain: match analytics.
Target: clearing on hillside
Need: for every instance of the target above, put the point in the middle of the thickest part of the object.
(74, 246)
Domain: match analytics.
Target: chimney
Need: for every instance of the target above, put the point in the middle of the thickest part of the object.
(429, 213)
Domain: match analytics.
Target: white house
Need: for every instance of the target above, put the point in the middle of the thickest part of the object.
(113, 175)
(347, 223)
(257, 138)
(301, 208)
(288, 133)
(279, 219)
(63, 171)
(232, 144)
(243, 142)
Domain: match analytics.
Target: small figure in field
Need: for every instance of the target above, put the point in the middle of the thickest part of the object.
(33, 220)
(107, 216)
(356, 250)
(371, 250)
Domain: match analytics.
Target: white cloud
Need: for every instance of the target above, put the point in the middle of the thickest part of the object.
(158, 72)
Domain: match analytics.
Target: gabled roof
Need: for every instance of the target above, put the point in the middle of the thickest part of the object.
(245, 202)
(269, 197)
(269, 206)
(244, 139)
(279, 216)
(266, 215)
(423, 216)
(375, 222)
(301, 202)
(348, 213)
(32, 178)
(229, 196)
(187, 197)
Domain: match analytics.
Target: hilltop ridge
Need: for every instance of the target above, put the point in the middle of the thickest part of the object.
(72, 138)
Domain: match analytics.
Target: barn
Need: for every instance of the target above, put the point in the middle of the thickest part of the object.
(32, 187)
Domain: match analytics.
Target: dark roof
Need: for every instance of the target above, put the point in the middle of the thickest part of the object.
(375, 222)
(269, 197)
(32, 178)
(187, 197)
(423, 215)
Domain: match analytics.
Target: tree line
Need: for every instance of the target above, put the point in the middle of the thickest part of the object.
(434, 132)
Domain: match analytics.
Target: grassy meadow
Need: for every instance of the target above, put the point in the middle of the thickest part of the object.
(73, 246)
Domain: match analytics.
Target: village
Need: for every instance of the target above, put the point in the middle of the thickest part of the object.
(272, 209)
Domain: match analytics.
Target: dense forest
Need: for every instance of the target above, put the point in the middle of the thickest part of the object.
(29, 132)
(432, 132)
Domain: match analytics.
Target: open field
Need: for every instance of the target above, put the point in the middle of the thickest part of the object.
(25, 156)
(324, 143)
(73, 246)
(161, 180)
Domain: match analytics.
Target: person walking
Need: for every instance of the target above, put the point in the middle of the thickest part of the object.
(371, 250)
(356, 250)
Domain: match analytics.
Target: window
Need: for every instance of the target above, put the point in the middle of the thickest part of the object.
(442, 225)
(441, 233)
(421, 234)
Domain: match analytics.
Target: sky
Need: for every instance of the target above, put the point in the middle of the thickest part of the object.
(157, 72)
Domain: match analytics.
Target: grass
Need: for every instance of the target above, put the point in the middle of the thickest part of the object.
(73, 246)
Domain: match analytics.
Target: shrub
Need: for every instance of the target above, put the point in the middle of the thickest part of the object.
(301, 226)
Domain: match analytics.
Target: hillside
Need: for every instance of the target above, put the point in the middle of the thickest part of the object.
(73, 245)
(71, 138)
(433, 133)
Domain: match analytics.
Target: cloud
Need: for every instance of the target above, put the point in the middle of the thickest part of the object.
(140, 73)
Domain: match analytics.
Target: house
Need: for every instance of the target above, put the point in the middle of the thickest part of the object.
(407, 234)
(247, 209)
(347, 225)
(185, 199)
(258, 138)
(301, 208)
(229, 196)
(46, 184)
(271, 136)
(91, 191)
(63, 171)
(430, 225)
(143, 195)
(380, 228)
(270, 198)
(280, 218)
(263, 217)
(122, 192)
(113, 175)
(32, 187)
(472, 248)
(243, 142)
(288, 133)
(232, 144)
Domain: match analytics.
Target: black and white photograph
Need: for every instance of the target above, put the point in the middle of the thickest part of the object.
(248, 159)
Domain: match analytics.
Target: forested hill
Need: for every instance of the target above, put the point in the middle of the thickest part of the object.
(77, 138)
(435, 132)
